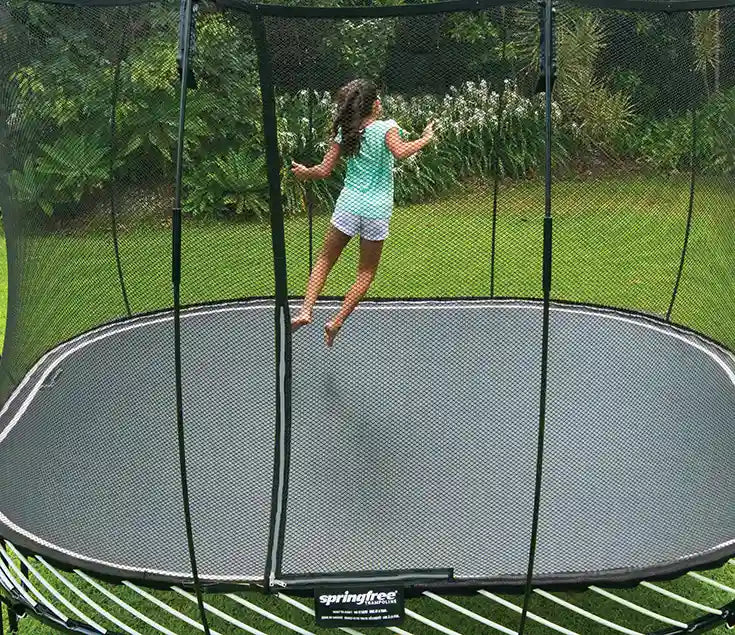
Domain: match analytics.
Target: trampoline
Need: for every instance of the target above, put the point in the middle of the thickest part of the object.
(435, 442)
(537, 397)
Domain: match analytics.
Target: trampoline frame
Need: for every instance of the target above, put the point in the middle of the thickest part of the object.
(25, 588)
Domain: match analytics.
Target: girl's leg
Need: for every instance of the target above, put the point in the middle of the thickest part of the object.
(370, 252)
(334, 242)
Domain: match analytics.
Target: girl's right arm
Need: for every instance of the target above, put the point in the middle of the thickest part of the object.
(402, 149)
(321, 171)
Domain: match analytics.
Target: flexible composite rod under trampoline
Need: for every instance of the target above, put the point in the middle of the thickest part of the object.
(81, 613)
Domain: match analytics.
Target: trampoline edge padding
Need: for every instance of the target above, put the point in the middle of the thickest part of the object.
(90, 434)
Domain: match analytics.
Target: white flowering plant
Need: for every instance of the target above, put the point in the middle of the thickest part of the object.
(475, 123)
(481, 131)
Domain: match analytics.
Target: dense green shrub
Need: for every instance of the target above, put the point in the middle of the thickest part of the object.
(66, 170)
(61, 146)
(468, 136)
(474, 127)
(666, 144)
(60, 150)
(62, 142)
(600, 113)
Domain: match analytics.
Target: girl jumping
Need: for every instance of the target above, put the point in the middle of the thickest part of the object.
(365, 204)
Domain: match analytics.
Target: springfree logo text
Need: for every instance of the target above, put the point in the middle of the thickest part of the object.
(368, 598)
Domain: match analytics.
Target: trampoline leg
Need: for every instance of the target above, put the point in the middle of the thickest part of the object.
(12, 621)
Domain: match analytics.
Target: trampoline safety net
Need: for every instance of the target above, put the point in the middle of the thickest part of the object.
(408, 450)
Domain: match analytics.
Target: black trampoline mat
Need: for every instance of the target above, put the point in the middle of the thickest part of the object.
(413, 444)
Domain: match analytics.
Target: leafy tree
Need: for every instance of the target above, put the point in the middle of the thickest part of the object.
(708, 47)
(600, 113)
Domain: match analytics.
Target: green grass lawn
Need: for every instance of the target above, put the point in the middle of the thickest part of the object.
(3, 285)
(616, 242)
(425, 606)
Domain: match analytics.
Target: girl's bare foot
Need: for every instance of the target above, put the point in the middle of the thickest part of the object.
(331, 329)
(302, 319)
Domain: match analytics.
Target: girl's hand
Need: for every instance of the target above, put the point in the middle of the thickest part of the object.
(301, 172)
(428, 132)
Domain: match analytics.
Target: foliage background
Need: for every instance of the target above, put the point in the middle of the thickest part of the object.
(73, 147)
(88, 114)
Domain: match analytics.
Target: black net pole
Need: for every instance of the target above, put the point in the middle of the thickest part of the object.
(496, 160)
(113, 153)
(282, 318)
(547, 253)
(176, 279)
(690, 213)
(307, 190)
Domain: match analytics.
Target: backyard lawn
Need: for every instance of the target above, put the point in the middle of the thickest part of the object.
(616, 242)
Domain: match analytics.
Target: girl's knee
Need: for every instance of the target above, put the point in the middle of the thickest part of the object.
(366, 277)
(327, 258)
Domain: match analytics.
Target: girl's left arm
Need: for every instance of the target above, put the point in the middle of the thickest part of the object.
(321, 171)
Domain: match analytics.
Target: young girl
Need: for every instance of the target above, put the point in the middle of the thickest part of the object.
(365, 204)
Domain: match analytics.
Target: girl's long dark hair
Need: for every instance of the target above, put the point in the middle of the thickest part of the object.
(354, 103)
